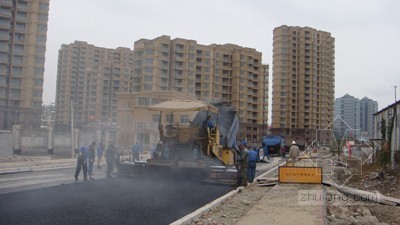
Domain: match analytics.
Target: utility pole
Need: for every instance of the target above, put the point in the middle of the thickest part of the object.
(395, 98)
(72, 130)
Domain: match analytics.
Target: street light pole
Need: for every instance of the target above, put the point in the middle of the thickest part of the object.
(72, 130)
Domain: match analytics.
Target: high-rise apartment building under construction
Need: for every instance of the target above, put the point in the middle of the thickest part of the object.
(303, 82)
(92, 76)
(23, 34)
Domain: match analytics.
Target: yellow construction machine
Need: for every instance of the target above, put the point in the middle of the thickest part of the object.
(204, 148)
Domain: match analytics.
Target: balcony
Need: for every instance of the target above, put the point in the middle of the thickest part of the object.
(6, 2)
(5, 24)
(5, 12)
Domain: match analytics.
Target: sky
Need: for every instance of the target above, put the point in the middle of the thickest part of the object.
(366, 32)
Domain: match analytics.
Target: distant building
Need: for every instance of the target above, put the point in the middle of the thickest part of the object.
(368, 108)
(348, 108)
(228, 72)
(23, 34)
(90, 78)
(303, 82)
(355, 116)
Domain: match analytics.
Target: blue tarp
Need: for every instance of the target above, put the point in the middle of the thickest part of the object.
(272, 140)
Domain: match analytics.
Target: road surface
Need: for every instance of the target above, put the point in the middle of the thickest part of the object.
(52, 197)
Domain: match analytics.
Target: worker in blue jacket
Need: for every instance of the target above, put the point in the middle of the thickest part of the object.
(81, 163)
(251, 169)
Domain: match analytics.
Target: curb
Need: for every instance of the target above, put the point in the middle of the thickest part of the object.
(35, 168)
(188, 219)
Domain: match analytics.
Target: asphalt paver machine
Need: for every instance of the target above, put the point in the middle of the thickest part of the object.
(204, 148)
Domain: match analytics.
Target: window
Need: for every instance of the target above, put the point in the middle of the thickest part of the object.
(37, 93)
(21, 15)
(39, 71)
(156, 118)
(40, 39)
(143, 138)
(40, 50)
(141, 101)
(39, 61)
(41, 28)
(17, 71)
(15, 82)
(148, 69)
(43, 6)
(148, 61)
(184, 119)
(38, 83)
(19, 37)
(169, 118)
(43, 17)
(18, 59)
(15, 93)
(20, 26)
(149, 51)
(36, 104)
(147, 87)
(18, 48)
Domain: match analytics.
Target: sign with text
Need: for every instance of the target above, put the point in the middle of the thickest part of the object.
(306, 175)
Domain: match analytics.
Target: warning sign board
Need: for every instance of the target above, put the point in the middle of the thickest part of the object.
(306, 175)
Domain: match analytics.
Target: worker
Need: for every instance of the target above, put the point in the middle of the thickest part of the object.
(242, 165)
(294, 151)
(136, 150)
(92, 157)
(110, 155)
(283, 151)
(82, 161)
(251, 168)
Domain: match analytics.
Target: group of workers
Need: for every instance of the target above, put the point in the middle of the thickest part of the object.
(86, 158)
(248, 158)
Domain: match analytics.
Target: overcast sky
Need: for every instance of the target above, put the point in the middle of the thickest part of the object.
(366, 32)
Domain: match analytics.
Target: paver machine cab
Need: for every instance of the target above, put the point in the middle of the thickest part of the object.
(204, 149)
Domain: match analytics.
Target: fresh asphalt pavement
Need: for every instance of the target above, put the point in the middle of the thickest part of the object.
(107, 201)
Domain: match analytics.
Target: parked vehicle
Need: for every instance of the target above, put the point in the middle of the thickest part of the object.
(273, 143)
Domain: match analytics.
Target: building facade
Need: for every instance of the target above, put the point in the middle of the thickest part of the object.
(354, 116)
(23, 34)
(228, 72)
(88, 80)
(348, 111)
(368, 108)
(303, 82)
(137, 124)
(90, 77)
(387, 129)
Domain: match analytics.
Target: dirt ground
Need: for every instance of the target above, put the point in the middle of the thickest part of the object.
(388, 184)
(229, 212)
(338, 213)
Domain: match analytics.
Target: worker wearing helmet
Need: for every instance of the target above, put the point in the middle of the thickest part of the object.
(294, 151)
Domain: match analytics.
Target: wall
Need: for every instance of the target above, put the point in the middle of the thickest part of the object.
(5, 143)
